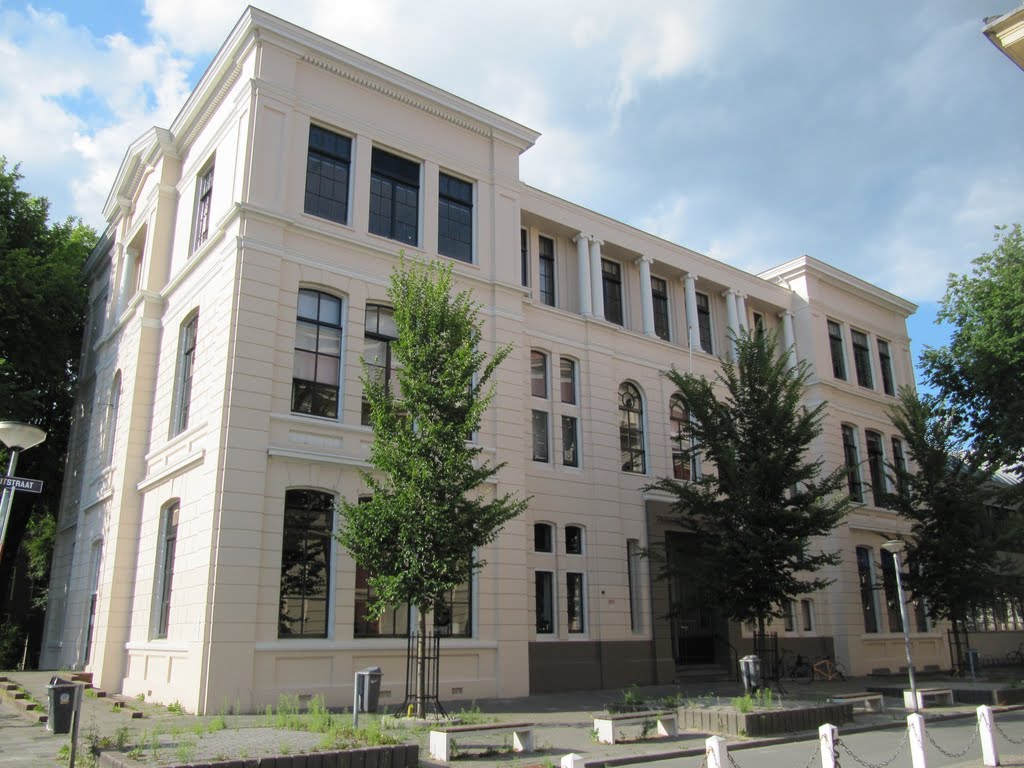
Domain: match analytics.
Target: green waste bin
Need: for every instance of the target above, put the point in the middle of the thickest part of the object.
(61, 694)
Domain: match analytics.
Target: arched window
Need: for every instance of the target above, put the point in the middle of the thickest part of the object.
(110, 428)
(631, 429)
(543, 537)
(678, 419)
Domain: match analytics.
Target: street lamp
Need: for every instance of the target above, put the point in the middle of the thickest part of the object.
(895, 546)
(17, 437)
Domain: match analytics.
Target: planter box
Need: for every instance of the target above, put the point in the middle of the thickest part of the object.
(731, 722)
(399, 756)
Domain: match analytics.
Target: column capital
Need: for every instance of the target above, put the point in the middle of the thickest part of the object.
(785, 313)
(595, 240)
(579, 236)
(689, 277)
(729, 292)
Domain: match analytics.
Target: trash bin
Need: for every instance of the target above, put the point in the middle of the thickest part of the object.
(368, 688)
(61, 694)
(750, 673)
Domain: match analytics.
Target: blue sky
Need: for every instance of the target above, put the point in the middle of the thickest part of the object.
(882, 137)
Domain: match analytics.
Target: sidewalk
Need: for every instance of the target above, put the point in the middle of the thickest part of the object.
(563, 724)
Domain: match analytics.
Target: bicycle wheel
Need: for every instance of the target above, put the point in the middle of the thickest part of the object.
(840, 670)
(803, 673)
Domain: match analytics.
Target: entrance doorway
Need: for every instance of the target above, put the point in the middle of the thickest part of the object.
(699, 629)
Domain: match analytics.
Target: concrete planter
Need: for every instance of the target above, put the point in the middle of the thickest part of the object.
(400, 756)
(729, 721)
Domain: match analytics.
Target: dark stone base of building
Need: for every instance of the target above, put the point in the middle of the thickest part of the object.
(592, 665)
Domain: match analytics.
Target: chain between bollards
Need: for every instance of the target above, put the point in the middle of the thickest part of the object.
(899, 749)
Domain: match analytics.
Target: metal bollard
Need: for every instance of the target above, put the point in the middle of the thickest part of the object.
(987, 734)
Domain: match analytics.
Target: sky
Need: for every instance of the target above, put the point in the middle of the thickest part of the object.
(885, 138)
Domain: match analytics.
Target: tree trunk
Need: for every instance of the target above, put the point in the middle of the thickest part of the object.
(761, 649)
(958, 646)
(421, 665)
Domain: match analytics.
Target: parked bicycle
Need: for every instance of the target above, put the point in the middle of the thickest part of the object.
(828, 668)
(795, 667)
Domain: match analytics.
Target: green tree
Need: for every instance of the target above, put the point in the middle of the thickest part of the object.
(979, 371)
(419, 534)
(41, 311)
(955, 542)
(756, 515)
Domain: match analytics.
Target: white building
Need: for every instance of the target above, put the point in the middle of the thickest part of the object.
(243, 275)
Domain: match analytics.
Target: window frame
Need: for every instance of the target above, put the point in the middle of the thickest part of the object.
(633, 556)
(538, 356)
(547, 284)
(550, 528)
(541, 436)
(660, 308)
(611, 289)
(866, 579)
(631, 430)
(899, 461)
(337, 161)
(894, 617)
(316, 391)
(807, 614)
(575, 540)
(387, 225)
(188, 343)
(876, 465)
(163, 580)
(388, 368)
(851, 457)
(575, 602)
(682, 465)
(837, 349)
(451, 599)
(461, 249)
(705, 327)
(571, 379)
(545, 597)
(524, 257)
(885, 366)
(317, 504)
(570, 441)
(862, 358)
(202, 207)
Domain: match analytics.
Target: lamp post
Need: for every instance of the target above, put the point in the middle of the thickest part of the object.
(895, 546)
(17, 437)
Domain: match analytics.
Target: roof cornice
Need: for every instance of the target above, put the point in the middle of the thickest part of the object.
(808, 265)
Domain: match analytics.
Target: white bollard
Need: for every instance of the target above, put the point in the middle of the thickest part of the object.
(717, 752)
(828, 735)
(915, 728)
(987, 734)
(572, 760)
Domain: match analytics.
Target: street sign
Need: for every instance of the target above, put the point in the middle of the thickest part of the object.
(22, 484)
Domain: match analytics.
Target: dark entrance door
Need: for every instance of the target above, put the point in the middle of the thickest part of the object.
(699, 632)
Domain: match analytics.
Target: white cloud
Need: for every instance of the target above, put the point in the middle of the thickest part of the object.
(668, 220)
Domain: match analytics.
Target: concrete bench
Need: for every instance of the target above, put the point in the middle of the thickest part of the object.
(935, 697)
(442, 739)
(870, 702)
(664, 721)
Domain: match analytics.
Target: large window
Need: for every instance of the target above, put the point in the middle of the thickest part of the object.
(110, 424)
(865, 574)
(892, 599)
(862, 359)
(453, 613)
(678, 419)
(852, 459)
(611, 283)
(885, 365)
(379, 334)
(327, 174)
(659, 296)
(543, 537)
(541, 450)
(316, 368)
(567, 371)
(455, 218)
(524, 257)
(539, 418)
(835, 345)
(394, 622)
(394, 197)
(201, 214)
(570, 423)
(704, 323)
(166, 546)
(187, 338)
(631, 429)
(538, 374)
(546, 262)
(573, 540)
(900, 463)
(575, 603)
(544, 602)
(305, 564)
(633, 555)
(876, 466)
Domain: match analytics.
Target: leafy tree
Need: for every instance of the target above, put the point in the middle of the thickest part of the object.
(40, 340)
(418, 535)
(979, 372)
(955, 541)
(755, 517)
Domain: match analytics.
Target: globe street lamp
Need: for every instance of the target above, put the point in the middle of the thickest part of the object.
(17, 437)
(895, 546)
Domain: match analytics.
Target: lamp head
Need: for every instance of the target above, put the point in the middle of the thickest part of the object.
(20, 437)
(895, 546)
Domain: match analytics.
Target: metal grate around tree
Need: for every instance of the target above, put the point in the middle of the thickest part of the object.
(432, 661)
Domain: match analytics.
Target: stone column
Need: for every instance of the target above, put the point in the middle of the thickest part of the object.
(646, 298)
(692, 325)
(741, 310)
(731, 320)
(124, 294)
(788, 339)
(583, 257)
(596, 278)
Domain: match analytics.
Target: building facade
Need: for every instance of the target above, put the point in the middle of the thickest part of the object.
(240, 280)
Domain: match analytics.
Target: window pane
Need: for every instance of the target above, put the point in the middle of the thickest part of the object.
(305, 560)
(867, 589)
(570, 457)
(574, 602)
(542, 537)
(305, 336)
(540, 436)
(329, 341)
(568, 375)
(544, 603)
(317, 355)
(573, 540)
(538, 374)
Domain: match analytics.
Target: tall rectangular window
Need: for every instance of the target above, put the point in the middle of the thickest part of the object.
(659, 296)
(789, 619)
(394, 622)
(544, 602)
(538, 374)
(540, 436)
(453, 614)
(633, 578)
(455, 218)
(165, 569)
(807, 613)
(892, 599)
(316, 366)
(201, 216)
(611, 284)
(546, 262)
(305, 564)
(835, 345)
(327, 174)
(570, 454)
(379, 334)
(885, 365)
(187, 337)
(567, 369)
(678, 419)
(900, 463)
(876, 466)
(524, 257)
(574, 603)
(852, 459)
(862, 359)
(865, 570)
(704, 322)
(394, 197)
